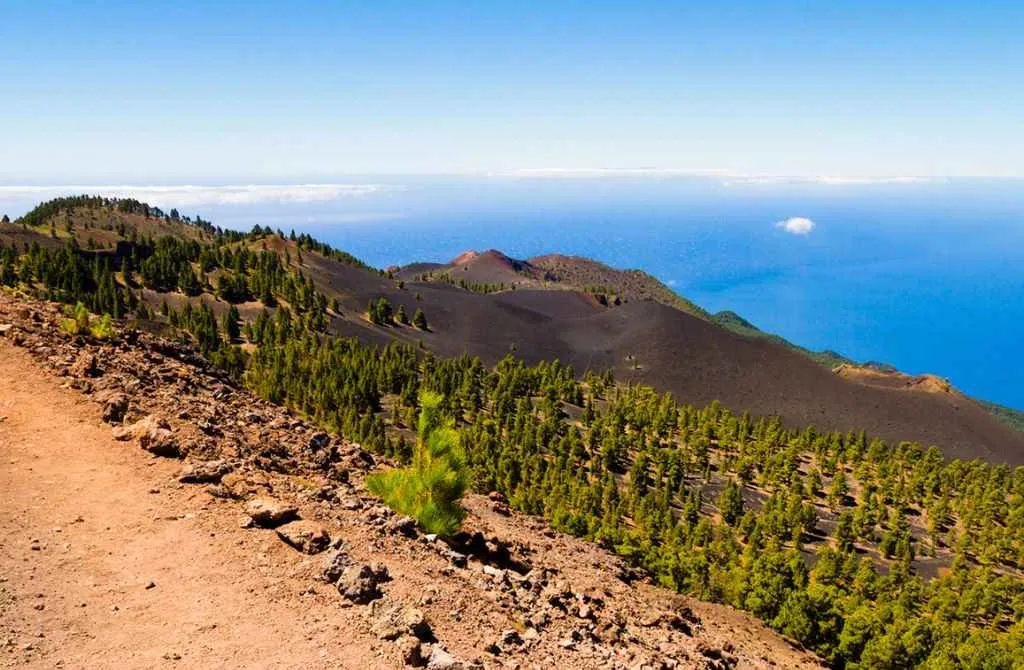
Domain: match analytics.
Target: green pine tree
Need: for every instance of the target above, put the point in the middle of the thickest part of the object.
(429, 489)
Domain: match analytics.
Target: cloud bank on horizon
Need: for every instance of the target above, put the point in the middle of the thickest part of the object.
(726, 176)
(194, 196)
(796, 225)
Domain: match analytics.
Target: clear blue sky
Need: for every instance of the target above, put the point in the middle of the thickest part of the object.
(97, 92)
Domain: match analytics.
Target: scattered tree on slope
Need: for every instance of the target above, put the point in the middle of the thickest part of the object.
(635, 471)
(429, 489)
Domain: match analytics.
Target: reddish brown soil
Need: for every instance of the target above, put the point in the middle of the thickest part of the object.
(494, 268)
(107, 561)
(109, 521)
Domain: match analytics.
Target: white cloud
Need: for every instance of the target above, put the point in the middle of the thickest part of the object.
(285, 219)
(829, 180)
(796, 225)
(193, 196)
(725, 176)
(590, 173)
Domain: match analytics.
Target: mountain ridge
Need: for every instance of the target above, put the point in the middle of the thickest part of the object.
(612, 284)
(815, 531)
(541, 309)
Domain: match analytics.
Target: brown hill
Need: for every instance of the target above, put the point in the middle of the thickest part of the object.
(489, 269)
(590, 275)
(493, 269)
(136, 561)
(104, 226)
(695, 359)
(646, 339)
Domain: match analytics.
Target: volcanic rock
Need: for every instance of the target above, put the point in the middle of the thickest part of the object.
(306, 536)
(205, 472)
(270, 513)
(359, 584)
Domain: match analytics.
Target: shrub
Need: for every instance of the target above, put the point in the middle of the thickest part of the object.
(103, 329)
(429, 489)
(419, 319)
(380, 312)
(78, 320)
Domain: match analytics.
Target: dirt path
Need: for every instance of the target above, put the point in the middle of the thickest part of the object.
(106, 561)
(92, 571)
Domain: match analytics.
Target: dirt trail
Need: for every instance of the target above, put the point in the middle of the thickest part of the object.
(87, 524)
(106, 560)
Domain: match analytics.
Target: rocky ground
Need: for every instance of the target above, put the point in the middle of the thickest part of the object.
(153, 514)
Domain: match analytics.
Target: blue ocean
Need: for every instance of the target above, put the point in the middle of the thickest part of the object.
(926, 276)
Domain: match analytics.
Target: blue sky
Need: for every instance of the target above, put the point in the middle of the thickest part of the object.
(108, 92)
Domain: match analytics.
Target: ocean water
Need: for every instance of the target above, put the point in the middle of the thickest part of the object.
(926, 276)
(929, 280)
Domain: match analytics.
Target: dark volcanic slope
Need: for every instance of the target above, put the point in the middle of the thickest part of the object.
(14, 235)
(645, 341)
(698, 361)
(627, 284)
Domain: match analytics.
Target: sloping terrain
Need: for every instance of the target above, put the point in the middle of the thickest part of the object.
(97, 228)
(645, 338)
(480, 271)
(89, 524)
(115, 557)
(648, 342)
(12, 234)
(701, 363)
(816, 533)
(894, 379)
(623, 284)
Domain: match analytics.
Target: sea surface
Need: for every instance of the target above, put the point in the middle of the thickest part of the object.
(927, 276)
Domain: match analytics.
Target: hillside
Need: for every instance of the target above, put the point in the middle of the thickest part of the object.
(492, 271)
(737, 324)
(510, 306)
(850, 544)
(672, 349)
(624, 285)
(103, 221)
(137, 561)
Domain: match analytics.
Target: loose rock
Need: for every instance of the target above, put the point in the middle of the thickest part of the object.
(306, 536)
(270, 513)
(454, 557)
(115, 406)
(399, 621)
(442, 660)
(411, 652)
(335, 565)
(319, 441)
(402, 525)
(84, 365)
(154, 435)
(205, 472)
(359, 584)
